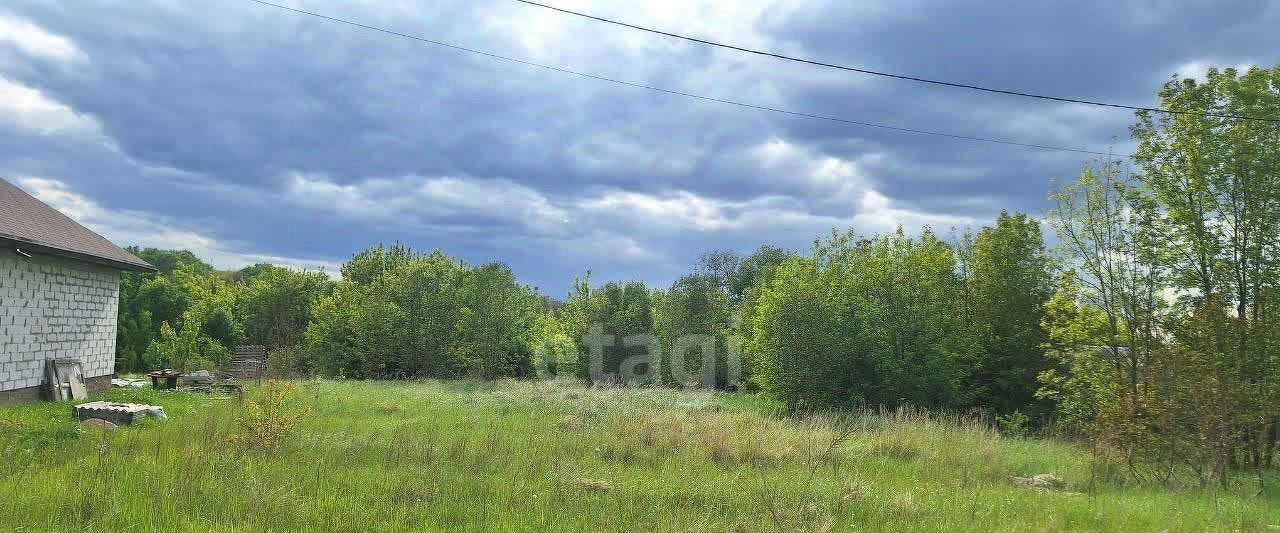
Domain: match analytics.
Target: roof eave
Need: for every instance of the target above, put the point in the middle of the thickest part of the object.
(31, 246)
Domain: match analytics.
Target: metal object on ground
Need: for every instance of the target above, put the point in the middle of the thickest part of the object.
(117, 413)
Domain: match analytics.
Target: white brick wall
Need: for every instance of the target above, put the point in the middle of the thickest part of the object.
(54, 307)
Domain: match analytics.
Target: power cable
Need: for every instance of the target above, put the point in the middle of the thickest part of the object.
(890, 74)
(682, 93)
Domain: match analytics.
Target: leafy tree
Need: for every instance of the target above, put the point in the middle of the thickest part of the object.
(620, 310)
(753, 269)
(1082, 379)
(165, 299)
(1217, 184)
(355, 333)
(366, 266)
(1107, 226)
(554, 351)
(694, 305)
(168, 261)
(495, 323)
(864, 322)
(276, 303)
(185, 349)
(133, 336)
(426, 315)
(720, 267)
(427, 290)
(213, 301)
(247, 274)
(1008, 282)
(145, 302)
(806, 352)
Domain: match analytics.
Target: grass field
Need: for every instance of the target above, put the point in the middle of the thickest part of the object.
(520, 456)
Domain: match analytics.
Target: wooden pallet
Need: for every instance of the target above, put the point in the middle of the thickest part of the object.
(249, 362)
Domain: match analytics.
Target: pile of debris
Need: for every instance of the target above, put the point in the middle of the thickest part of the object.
(197, 381)
(1044, 483)
(209, 382)
(129, 383)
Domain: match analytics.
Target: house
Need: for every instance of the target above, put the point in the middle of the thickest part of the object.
(59, 288)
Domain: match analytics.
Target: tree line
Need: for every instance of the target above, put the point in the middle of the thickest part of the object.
(1151, 328)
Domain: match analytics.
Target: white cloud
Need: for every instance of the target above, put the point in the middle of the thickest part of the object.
(428, 200)
(37, 42)
(1198, 69)
(834, 194)
(840, 184)
(684, 211)
(539, 29)
(31, 110)
(878, 213)
(126, 227)
(437, 202)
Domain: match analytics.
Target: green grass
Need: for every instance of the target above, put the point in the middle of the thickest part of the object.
(518, 456)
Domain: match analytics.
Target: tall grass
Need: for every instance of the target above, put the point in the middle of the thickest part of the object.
(537, 456)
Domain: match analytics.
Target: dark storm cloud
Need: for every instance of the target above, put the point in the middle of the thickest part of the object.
(275, 134)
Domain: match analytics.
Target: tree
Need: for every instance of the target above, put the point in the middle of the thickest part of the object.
(212, 304)
(276, 304)
(1218, 184)
(149, 300)
(366, 266)
(754, 269)
(1008, 281)
(426, 289)
(185, 349)
(1082, 380)
(355, 333)
(864, 322)
(425, 315)
(720, 266)
(619, 310)
(805, 351)
(1107, 226)
(495, 325)
(694, 305)
(168, 261)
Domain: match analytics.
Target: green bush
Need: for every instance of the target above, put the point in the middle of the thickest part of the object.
(863, 322)
(185, 349)
(289, 361)
(425, 315)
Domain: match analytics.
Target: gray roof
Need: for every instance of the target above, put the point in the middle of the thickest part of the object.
(32, 226)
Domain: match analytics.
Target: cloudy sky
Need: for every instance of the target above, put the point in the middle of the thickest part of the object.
(247, 133)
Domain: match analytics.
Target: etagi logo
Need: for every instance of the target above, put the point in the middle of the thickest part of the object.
(695, 360)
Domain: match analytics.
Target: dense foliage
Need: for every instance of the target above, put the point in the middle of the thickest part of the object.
(866, 322)
(423, 315)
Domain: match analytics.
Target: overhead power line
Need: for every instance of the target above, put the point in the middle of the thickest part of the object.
(890, 74)
(682, 93)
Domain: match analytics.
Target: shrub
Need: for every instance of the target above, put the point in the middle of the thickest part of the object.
(289, 361)
(186, 349)
(267, 419)
(1014, 424)
(863, 322)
